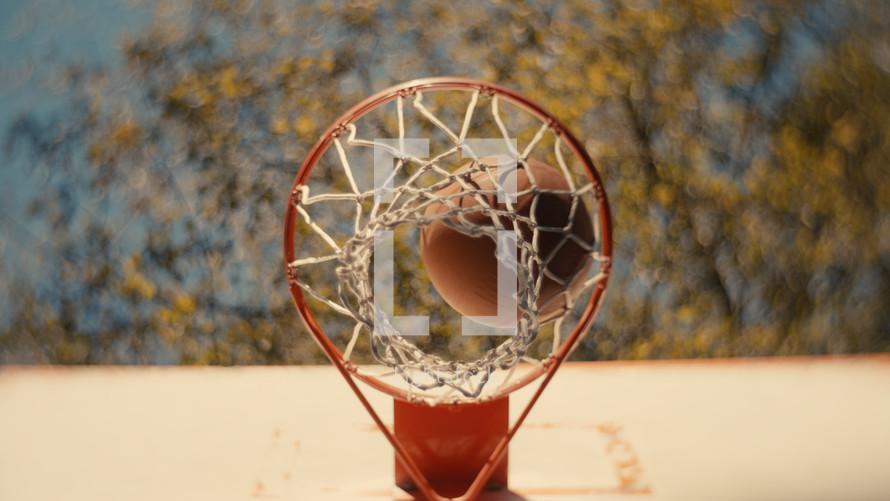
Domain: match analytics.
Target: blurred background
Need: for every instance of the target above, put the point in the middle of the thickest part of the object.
(149, 148)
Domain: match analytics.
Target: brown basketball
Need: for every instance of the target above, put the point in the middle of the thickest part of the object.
(463, 268)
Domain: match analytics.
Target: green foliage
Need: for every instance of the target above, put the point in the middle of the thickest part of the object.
(743, 147)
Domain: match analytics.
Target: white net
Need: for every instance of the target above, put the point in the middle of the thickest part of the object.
(357, 208)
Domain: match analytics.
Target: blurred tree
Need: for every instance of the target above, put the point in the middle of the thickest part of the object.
(742, 144)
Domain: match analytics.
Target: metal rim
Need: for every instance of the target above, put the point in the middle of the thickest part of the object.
(406, 89)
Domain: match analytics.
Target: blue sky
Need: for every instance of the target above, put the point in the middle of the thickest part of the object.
(39, 35)
(37, 39)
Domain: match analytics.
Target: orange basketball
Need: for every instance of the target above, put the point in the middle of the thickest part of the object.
(463, 268)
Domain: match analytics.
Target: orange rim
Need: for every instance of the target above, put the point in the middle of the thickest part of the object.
(552, 362)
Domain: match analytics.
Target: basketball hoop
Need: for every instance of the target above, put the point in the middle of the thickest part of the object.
(439, 159)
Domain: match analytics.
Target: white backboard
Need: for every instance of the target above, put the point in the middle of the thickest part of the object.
(763, 429)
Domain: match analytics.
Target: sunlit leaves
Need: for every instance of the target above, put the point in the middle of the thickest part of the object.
(743, 146)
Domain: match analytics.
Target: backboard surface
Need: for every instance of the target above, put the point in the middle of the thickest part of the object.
(793, 428)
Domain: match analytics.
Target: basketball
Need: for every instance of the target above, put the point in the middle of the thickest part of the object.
(463, 268)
